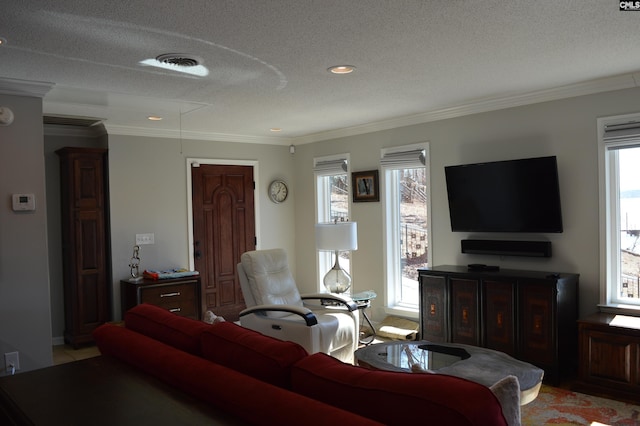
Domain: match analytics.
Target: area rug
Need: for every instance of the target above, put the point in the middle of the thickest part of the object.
(556, 406)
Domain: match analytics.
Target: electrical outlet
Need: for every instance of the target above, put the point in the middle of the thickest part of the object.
(11, 358)
(142, 239)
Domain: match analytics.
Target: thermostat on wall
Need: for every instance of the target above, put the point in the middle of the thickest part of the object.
(24, 202)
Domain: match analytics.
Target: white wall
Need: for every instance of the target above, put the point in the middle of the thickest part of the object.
(565, 128)
(148, 194)
(25, 317)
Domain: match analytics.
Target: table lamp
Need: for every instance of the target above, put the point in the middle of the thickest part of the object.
(336, 237)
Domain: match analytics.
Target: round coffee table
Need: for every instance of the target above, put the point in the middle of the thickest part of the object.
(480, 365)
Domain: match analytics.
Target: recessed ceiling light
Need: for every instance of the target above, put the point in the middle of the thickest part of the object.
(341, 69)
(275, 129)
(3, 41)
(154, 118)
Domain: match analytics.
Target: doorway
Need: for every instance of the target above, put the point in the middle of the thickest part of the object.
(223, 213)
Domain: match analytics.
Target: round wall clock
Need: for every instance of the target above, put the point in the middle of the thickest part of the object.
(6, 116)
(278, 191)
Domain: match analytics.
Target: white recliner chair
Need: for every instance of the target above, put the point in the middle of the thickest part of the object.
(320, 322)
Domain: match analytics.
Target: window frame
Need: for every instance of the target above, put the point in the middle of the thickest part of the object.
(393, 303)
(610, 226)
(324, 259)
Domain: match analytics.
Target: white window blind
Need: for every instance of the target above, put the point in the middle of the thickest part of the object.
(625, 135)
(409, 159)
(330, 167)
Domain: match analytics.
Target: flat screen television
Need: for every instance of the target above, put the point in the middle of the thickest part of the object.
(505, 196)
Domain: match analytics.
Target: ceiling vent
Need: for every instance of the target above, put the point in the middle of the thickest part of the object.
(179, 59)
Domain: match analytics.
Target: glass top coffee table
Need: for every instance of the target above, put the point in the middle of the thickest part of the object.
(481, 365)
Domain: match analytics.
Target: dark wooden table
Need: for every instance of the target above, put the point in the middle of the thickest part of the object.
(99, 391)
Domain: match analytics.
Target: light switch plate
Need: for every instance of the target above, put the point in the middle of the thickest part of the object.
(142, 239)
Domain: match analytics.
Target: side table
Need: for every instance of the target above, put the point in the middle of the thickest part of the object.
(178, 295)
(363, 300)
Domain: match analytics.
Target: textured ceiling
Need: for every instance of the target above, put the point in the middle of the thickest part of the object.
(268, 60)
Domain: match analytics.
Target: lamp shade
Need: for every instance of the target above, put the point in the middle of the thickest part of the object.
(340, 236)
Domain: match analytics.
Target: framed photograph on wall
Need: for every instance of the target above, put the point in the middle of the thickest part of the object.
(365, 186)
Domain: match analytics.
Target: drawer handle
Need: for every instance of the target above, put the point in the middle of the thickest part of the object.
(174, 310)
(177, 293)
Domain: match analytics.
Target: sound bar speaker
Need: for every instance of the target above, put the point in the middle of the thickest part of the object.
(507, 248)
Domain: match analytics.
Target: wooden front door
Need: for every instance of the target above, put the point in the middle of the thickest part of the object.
(223, 229)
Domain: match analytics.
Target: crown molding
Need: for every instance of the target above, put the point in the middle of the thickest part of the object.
(625, 81)
(33, 89)
(619, 82)
(72, 131)
(194, 135)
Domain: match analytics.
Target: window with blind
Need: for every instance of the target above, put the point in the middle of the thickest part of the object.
(620, 148)
(406, 223)
(332, 204)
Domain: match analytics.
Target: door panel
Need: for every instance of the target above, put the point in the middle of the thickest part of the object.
(537, 333)
(499, 317)
(465, 311)
(223, 228)
(434, 314)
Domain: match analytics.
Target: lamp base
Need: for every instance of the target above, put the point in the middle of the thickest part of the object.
(337, 280)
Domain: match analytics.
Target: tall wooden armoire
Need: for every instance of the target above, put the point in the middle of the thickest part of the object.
(85, 242)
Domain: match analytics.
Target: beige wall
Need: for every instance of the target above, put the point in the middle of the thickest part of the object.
(25, 317)
(149, 194)
(565, 128)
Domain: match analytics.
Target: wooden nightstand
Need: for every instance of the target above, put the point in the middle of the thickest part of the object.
(178, 295)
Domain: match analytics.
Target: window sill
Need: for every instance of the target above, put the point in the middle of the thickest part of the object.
(401, 311)
(618, 308)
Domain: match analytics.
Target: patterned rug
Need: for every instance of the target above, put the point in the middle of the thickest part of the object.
(555, 406)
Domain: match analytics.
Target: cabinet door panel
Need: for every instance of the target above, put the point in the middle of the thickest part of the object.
(499, 318)
(85, 251)
(465, 311)
(611, 358)
(433, 302)
(537, 336)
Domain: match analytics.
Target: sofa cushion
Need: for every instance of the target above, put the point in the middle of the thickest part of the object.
(249, 399)
(158, 323)
(252, 353)
(392, 397)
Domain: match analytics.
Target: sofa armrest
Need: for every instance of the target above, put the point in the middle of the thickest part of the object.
(331, 298)
(306, 314)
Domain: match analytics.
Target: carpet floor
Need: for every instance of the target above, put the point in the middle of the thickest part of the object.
(556, 406)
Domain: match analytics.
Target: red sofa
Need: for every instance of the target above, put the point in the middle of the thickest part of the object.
(261, 380)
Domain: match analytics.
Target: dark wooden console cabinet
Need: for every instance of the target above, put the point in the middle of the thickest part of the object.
(177, 295)
(86, 253)
(529, 315)
(610, 357)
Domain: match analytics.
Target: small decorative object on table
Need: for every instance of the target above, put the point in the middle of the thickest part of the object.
(134, 264)
(169, 273)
